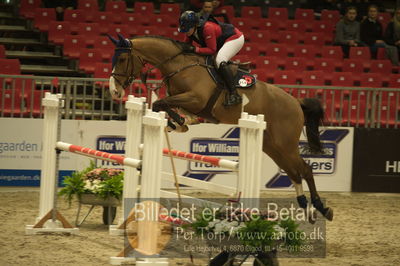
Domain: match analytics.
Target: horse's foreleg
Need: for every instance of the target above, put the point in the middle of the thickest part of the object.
(186, 101)
(162, 105)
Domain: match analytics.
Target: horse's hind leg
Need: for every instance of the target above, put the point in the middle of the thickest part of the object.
(297, 169)
(315, 199)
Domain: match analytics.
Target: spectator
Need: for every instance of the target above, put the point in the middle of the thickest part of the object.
(372, 35)
(392, 33)
(348, 31)
(208, 9)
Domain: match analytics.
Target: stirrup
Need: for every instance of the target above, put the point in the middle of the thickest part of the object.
(232, 98)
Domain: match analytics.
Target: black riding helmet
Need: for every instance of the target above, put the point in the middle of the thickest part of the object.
(188, 20)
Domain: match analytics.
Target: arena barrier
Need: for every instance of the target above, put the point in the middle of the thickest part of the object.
(149, 129)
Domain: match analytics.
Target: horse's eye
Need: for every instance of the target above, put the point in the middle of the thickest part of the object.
(121, 60)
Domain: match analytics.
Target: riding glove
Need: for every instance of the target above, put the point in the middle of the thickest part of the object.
(188, 48)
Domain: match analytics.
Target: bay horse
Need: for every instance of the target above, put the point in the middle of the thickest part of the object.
(190, 87)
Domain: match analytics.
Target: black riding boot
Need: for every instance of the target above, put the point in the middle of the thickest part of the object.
(232, 97)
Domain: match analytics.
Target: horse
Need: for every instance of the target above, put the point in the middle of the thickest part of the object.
(190, 88)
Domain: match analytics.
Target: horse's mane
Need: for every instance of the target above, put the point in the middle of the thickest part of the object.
(178, 44)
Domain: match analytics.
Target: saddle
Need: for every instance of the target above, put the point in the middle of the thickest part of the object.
(243, 78)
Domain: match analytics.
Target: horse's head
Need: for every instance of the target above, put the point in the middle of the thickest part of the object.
(125, 66)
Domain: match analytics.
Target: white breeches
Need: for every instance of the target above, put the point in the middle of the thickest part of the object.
(229, 50)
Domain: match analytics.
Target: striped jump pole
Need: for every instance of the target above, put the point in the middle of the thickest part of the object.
(223, 163)
(105, 156)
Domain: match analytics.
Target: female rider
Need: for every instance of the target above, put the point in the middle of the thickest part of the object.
(214, 37)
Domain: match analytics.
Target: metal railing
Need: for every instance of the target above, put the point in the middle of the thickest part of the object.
(88, 98)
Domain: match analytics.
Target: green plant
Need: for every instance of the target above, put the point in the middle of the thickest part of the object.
(252, 231)
(74, 184)
(102, 182)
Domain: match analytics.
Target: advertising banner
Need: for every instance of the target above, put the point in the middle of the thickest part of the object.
(376, 159)
(21, 140)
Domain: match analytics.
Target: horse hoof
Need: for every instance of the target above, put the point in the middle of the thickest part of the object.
(312, 217)
(329, 214)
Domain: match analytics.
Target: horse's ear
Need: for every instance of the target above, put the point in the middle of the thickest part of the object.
(112, 39)
(122, 38)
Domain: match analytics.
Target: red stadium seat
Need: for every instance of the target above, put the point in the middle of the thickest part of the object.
(330, 15)
(268, 63)
(2, 51)
(74, 15)
(325, 64)
(360, 52)
(88, 60)
(43, 16)
(170, 9)
(144, 8)
(314, 38)
(381, 66)
(295, 63)
(313, 78)
(73, 45)
(261, 37)
(279, 13)
(163, 21)
(251, 50)
(332, 52)
(10, 66)
(285, 77)
(11, 104)
(371, 80)
(253, 12)
(276, 49)
(122, 29)
(34, 105)
(304, 14)
(244, 24)
(327, 27)
(116, 7)
(228, 10)
(387, 112)
(89, 31)
(394, 81)
(307, 51)
(295, 25)
(104, 20)
(27, 8)
(104, 44)
(342, 79)
(271, 24)
(260, 74)
(102, 70)
(88, 5)
(353, 65)
(288, 37)
(58, 30)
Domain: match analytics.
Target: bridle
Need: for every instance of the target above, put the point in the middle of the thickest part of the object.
(129, 77)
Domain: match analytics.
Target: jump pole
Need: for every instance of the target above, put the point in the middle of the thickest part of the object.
(49, 219)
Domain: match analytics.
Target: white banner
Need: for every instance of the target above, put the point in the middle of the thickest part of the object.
(21, 141)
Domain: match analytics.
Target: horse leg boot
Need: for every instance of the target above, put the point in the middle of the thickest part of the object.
(233, 96)
(315, 199)
(161, 105)
(303, 202)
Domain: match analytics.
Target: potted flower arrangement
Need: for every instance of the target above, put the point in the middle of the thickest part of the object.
(258, 235)
(95, 186)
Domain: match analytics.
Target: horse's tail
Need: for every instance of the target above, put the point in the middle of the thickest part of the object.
(314, 115)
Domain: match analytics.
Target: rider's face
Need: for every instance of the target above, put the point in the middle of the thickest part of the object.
(190, 32)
